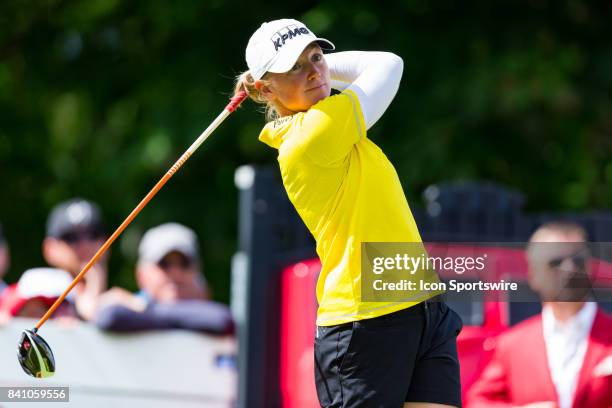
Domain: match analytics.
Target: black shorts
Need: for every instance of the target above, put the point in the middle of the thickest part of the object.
(405, 356)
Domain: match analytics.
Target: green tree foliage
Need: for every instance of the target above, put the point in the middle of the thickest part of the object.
(99, 97)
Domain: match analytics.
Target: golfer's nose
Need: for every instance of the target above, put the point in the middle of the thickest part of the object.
(314, 73)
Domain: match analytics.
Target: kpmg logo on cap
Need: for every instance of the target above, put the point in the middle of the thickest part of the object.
(287, 33)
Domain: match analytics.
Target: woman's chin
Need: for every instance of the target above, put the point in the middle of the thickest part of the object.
(320, 94)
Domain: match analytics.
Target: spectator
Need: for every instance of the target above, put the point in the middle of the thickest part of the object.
(4, 260)
(173, 292)
(35, 292)
(75, 232)
(562, 357)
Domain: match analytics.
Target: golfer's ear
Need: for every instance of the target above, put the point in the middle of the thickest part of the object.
(265, 90)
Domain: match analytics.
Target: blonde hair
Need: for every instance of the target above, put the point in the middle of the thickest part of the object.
(245, 82)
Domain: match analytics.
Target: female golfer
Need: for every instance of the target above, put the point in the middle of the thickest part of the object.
(367, 354)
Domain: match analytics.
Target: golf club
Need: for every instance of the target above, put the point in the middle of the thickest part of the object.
(33, 352)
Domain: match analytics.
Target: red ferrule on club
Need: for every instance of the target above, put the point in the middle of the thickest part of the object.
(236, 101)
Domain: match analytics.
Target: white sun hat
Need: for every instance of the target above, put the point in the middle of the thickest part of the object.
(43, 282)
(276, 45)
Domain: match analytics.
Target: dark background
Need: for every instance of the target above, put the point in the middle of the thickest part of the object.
(98, 99)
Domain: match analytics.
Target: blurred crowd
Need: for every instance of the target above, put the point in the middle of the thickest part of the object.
(567, 348)
(173, 292)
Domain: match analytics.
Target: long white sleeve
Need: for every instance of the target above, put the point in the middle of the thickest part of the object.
(373, 76)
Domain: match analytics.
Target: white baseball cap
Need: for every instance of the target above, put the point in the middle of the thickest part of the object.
(276, 45)
(158, 242)
(43, 282)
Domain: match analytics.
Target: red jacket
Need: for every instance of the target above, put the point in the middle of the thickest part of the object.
(518, 373)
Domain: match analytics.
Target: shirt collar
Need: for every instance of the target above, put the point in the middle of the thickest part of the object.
(580, 324)
(275, 132)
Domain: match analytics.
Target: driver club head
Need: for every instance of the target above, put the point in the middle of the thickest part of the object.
(35, 355)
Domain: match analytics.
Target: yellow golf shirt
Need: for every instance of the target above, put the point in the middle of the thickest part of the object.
(347, 192)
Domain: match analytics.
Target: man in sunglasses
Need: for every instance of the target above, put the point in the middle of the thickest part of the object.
(562, 357)
(74, 233)
(173, 293)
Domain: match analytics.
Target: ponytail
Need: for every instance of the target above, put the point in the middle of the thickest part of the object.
(245, 82)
